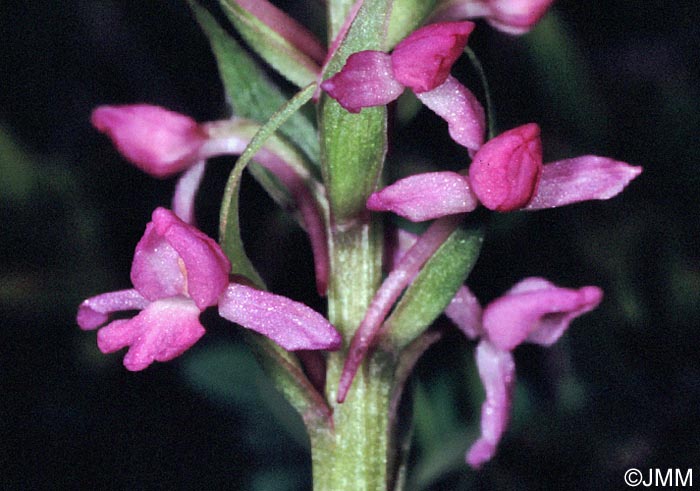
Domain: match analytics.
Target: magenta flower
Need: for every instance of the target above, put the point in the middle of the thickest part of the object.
(177, 273)
(506, 174)
(163, 143)
(421, 62)
(510, 16)
(158, 141)
(534, 311)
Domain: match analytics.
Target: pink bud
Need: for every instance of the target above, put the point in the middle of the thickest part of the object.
(424, 59)
(505, 172)
(517, 16)
(158, 141)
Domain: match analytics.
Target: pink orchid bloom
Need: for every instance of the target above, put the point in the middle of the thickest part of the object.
(506, 174)
(177, 273)
(163, 143)
(510, 16)
(421, 62)
(158, 141)
(534, 311)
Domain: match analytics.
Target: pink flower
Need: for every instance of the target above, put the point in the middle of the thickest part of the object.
(421, 62)
(510, 16)
(506, 174)
(158, 141)
(178, 272)
(534, 311)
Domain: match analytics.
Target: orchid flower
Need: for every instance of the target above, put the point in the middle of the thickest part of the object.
(163, 143)
(506, 174)
(509, 16)
(421, 62)
(534, 311)
(178, 272)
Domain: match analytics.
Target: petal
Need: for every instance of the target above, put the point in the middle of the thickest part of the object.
(510, 16)
(581, 179)
(186, 191)
(292, 325)
(157, 141)
(497, 373)
(95, 311)
(537, 311)
(162, 331)
(365, 80)
(505, 172)
(465, 311)
(174, 258)
(424, 59)
(425, 196)
(465, 117)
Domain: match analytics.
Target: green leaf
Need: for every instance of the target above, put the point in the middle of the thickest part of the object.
(248, 90)
(293, 64)
(406, 17)
(433, 288)
(353, 146)
(229, 226)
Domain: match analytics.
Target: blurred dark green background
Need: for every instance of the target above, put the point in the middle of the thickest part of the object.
(620, 390)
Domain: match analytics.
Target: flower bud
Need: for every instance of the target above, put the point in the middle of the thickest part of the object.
(505, 172)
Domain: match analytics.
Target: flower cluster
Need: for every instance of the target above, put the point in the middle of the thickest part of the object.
(178, 271)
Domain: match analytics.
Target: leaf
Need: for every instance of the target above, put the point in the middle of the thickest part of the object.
(249, 92)
(229, 226)
(267, 41)
(353, 146)
(433, 288)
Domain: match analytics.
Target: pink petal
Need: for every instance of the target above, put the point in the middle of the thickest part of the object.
(517, 16)
(505, 172)
(160, 332)
(95, 311)
(365, 80)
(465, 311)
(537, 311)
(286, 27)
(174, 258)
(292, 325)
(157, 141)
(388, 293)
(497, 373)
(425, 196)
(465, 117)
(424, 59)
(510, 16)
(186, 191)
(581, 179)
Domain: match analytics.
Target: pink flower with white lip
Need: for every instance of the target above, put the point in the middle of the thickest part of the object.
(421, 62)
(509, 16)
(506, 174)
(177, 273)
(160, 142)
(534, 311)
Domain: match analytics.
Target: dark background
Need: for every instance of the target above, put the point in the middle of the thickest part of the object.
(620, 390)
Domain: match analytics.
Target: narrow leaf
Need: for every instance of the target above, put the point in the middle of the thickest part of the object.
(248, 90)
(267, 41)
(229, 226)
(433, 288)
(406, 17)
